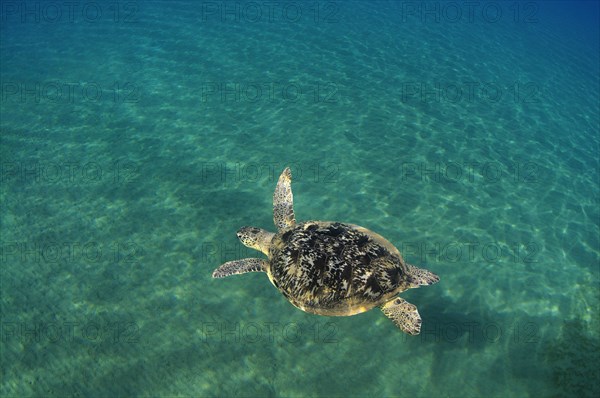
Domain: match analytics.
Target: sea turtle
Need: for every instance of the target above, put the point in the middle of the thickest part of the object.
(330, 268)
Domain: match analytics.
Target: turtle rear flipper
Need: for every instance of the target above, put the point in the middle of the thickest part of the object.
(403, 314)
(240, 267)
(421, 277)
(283, 202)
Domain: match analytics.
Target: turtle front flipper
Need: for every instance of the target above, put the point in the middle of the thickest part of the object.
(241, 267)
(421, 277)
(283, 202)
(403, 314)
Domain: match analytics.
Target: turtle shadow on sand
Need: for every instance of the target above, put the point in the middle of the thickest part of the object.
(536, 351)
(452, 335)
(573, 359)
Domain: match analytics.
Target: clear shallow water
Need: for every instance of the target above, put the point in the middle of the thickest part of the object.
(135, 143)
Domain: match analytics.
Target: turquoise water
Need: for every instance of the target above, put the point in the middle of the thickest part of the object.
(137, 137)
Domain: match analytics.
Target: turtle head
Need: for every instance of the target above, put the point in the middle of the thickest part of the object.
(255, 238)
